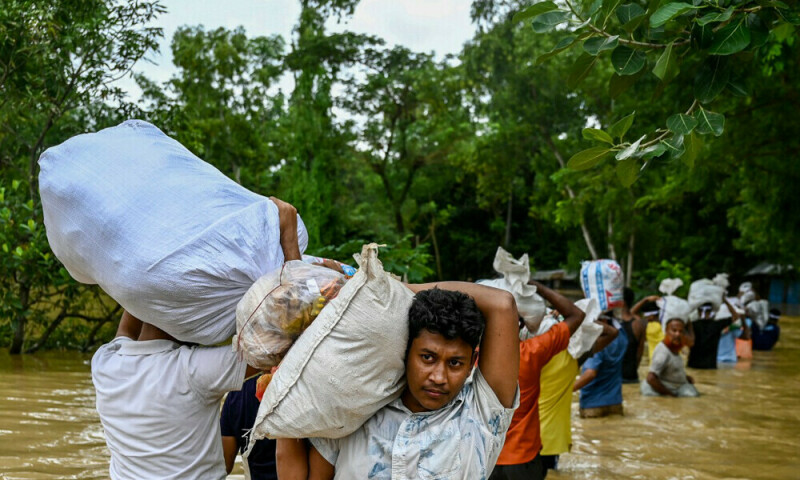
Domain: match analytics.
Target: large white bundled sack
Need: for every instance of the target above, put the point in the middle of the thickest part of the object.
(670, 306)
(705, 291)
(516, 273)
(724, 312)
(603, 281)
(165, 234)
(758, 311)
(347, 365)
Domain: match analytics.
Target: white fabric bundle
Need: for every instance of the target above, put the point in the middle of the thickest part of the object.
(672, 307)
(603, 281)
(746, 293)
(724, 312)
(583, 339)
(347, 365)
(758, 311)
(706, 291)
(165, 234)
(516, 274)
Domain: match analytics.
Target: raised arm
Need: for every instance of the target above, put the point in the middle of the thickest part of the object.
(499, 354)
(640, 303)
(573, 316)
(129, 326)
(734, 313)
(288, 225)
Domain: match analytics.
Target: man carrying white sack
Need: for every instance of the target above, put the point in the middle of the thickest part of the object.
(450, 421)
(667, 375)
(159, 400)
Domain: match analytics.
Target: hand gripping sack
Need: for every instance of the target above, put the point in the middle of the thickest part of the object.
(165, 234)
(347, 365)
(279, 307)
(516, 274)
(603, 281)
(584, 337)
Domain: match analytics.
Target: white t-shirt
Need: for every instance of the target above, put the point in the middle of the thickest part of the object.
(159, 402)
(461, 440)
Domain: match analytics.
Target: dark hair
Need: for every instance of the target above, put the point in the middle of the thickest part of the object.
(448, 313)
(628, 297)
(649, 307)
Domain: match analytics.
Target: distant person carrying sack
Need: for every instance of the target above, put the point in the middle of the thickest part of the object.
(451, 419)
(158, 399)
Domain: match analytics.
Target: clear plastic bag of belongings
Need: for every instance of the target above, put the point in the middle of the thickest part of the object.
(516, 273)
(583, 339)
(347, 270)
(347, 365)
(279, 307)
(603, 280)
(165, 234)
(758, 311)
(670, 306)
(706, 291)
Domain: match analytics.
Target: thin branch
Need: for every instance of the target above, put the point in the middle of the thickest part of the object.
(666, 133)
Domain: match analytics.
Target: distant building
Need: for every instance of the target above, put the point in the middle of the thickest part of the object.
(776, 283)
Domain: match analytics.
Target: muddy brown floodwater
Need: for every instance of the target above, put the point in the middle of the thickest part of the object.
(746, 424)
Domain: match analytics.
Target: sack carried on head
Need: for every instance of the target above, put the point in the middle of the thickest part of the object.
(705, 291)
(603, 281)
(165, 234)
(670, 306)
(516, 274)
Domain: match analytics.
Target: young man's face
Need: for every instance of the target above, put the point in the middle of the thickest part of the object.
(674, 332)
(436, 369)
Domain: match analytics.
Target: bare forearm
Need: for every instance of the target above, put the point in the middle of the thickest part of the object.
(586, 377)
(291, 459)
(573, 316)
(659, 387)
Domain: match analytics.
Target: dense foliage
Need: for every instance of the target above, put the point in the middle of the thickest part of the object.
(442, 160)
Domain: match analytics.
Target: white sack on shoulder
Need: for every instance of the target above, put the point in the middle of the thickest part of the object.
(165, 234)
(516, 273)
(583, 339)
(344, 367)
(758, 311)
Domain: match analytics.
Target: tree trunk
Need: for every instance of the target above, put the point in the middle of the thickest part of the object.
(629, 269)
(507, 240)
(436, 255)
(19, 332)
(612, 253)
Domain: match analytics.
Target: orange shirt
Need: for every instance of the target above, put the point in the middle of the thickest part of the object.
(523, 440)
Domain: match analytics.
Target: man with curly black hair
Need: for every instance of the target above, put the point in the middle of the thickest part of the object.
(450, 421)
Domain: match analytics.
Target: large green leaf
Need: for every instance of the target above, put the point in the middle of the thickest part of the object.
(733, 37)
(628, 12)
(595, 45)
(618, 84)
(716, 17)
(588, 158)
(674, 146)
(619, 129)
(711, 79)
(652, 151)
(758, 31)
(580, 69)
(630, 150)
(627, 61)
(681, 123)
(548, 21)
(709, 122)
(562, 45)
(668, 12)
(702, 36)
(692, 145)
(627, 171)
(667, 65)
(534, 10)
(597, 134)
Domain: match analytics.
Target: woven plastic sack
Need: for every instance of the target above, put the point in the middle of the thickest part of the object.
(516, 273)
(584, 337)
(347, 365)
(279, 307)
(705, 291)
(603, 281)
(165, 234)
